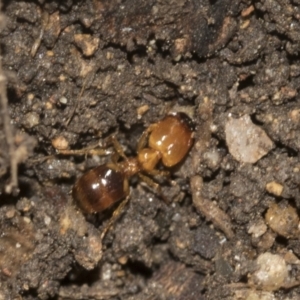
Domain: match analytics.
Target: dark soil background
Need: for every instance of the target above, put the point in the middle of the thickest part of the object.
(75, 72)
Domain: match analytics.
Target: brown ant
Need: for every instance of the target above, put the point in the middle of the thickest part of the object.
(168, 141)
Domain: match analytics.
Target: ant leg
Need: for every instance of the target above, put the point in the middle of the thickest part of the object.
(118, 211)
(162, 173)
(115, 157)
(118, 148)
(143, 139)
(90, 150)
(156, 172)
(114, 217)
(154, 185)
(96, 149)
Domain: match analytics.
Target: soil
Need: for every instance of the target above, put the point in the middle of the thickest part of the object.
(76, 72)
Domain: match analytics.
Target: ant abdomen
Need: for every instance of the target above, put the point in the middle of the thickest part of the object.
(100, 188)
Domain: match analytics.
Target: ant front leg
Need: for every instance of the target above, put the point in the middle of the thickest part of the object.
(143, 139)
(90, 150)
(118, 149)
(97, 149)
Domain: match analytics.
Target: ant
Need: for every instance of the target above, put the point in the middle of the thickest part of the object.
(168, 141)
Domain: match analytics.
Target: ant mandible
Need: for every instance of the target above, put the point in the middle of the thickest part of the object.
(168, 141)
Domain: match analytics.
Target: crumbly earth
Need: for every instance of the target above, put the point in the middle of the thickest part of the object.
(79, 71)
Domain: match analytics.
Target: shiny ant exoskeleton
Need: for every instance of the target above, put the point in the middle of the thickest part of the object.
(168, 141)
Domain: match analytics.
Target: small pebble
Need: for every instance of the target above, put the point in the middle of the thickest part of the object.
(27, 220)
(142, 110)
(266, 241)
(212, 158)
(60, 143)
(291, 258)
(247, 142)
(274, 188)
(271, 273)
(123, 260)
(31, 120)
(47, 220)
(87, 43)
(283, 219)
(23, 205)
(63, 100)
(176, 217)
(10, 213)
(258, 228)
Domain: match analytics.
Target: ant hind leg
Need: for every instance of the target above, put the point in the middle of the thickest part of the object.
(114, 217)
(162, 173)
(149, 181)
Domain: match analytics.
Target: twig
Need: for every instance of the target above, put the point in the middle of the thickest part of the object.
(7, 126)
(87, 78)
(8, 133)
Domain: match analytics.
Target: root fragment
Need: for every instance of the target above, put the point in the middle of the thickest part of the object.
(209, 209)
